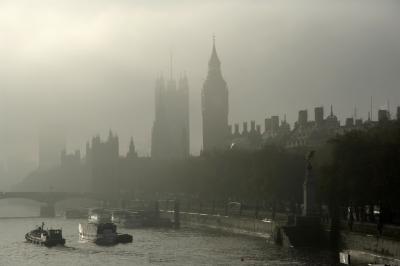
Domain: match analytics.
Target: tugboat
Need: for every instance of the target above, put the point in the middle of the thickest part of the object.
(48, 238)
(100, 229)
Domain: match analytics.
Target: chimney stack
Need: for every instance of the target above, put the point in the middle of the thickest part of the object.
(275, 123)
(303, 118)
(252, 125)
(258, 128)
(398, 113)
(383, 115)
(319, 115)
(349, 122)
(237, 133)
(245, 131)
(267, 125)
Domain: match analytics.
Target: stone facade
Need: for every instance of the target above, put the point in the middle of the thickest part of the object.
(306, 133)
(102, 157)
(170, 133)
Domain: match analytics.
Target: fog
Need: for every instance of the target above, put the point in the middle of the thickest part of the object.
(90, 66)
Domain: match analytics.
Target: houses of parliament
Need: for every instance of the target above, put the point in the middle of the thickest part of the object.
(170, 133)
(170, 136)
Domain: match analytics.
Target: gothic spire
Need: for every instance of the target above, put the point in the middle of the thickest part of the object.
(214, 60)
(132, 145)
(132, 151)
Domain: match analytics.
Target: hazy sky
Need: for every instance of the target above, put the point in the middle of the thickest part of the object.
(91, 65)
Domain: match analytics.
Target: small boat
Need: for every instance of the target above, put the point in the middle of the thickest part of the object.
(124, 238)
(48, 238)
(103, 234)
(101, 230)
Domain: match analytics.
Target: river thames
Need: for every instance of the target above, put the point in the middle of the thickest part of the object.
(185, 246)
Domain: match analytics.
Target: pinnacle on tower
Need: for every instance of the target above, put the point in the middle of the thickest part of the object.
(132, 145)
(214, 60)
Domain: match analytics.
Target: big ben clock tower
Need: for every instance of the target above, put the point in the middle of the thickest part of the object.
(214, 101)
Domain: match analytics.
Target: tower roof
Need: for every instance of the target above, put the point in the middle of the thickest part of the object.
(214, 60)
(131, 145)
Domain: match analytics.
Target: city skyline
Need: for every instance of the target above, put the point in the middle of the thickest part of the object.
(275, 69)
(124, 121)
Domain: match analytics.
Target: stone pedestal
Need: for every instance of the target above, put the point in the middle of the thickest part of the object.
(306, 231)
(310, 207)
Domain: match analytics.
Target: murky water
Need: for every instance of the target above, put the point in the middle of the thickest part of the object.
(185, 246)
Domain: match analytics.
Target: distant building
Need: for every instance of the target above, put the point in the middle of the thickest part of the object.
(132, 154)
(275, 132)
(214, 102)
(383, 115)
(303, 118)
(170, 134)
(319, 115)
(247, 139)
(314, 133)
(103, 157)
(278, 133)
(398, 113)
(349, 122)
(70, 160)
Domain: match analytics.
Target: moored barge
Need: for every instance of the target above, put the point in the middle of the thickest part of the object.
(101, 230)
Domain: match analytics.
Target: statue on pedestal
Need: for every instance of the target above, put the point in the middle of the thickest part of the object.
(310, 207)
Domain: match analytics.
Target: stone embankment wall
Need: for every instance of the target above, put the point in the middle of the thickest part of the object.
(248, 226)
(370, 243)
(361, 247)
(371, 248)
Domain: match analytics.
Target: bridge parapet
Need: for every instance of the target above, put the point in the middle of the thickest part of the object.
(49, 197)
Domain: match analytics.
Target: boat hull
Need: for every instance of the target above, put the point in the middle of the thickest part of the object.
(88, 232)
(124, 238)
(45, 242)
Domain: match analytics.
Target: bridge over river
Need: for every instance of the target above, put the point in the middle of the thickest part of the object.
(50, 198)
